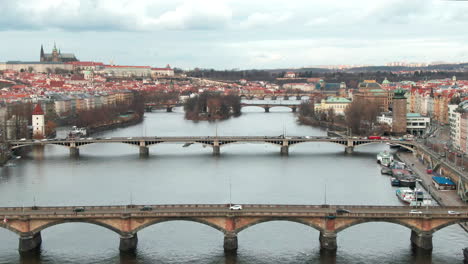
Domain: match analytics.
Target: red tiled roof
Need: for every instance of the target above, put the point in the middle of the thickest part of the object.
(38, 110)
(123, 66)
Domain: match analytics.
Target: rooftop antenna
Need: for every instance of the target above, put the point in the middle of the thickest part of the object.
(325, 194)
(230, 191)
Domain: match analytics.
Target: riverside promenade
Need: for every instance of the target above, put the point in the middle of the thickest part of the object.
(444, 198)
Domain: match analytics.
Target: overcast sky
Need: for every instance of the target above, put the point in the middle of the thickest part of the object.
(244, 34)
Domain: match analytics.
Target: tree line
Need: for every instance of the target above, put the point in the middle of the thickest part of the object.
(360, 118)
(212, 106)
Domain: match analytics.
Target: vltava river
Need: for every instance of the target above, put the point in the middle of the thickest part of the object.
(114, 174)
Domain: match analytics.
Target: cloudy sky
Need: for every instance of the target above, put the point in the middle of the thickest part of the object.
(243, 34)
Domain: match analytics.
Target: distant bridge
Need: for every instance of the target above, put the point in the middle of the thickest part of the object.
(128, 220)
(266, 104)
(215, 142)
(293, 105)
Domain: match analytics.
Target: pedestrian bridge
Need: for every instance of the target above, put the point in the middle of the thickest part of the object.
(329, 220)
(215, 142)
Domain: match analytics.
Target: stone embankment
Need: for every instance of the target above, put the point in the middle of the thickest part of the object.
(445, 198)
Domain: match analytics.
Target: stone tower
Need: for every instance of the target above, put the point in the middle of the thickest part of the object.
(38, 122)
(399, 113)
(55, 54)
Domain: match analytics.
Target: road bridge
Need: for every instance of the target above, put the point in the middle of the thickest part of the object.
(265, 104)
(215, 142)
(285, 96)
(128, 220)
(293, 105)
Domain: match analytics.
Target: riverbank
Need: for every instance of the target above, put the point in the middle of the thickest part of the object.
(320, 124)
(118, 124)
(445, 198)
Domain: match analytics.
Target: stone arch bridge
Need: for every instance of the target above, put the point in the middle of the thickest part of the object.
(215, 142)
(127, 220)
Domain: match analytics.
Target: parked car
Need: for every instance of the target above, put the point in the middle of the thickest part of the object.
(415, 212)
(453, 213)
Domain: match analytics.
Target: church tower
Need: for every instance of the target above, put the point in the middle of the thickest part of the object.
(55, 54)
(42, 53)
(399, 113)
(38, 122)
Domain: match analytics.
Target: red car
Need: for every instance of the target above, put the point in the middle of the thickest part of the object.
(374, 137)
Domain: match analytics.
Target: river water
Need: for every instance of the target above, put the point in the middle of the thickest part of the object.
(114, 174)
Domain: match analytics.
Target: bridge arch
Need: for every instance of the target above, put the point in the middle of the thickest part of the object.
(449, 223)
(10, 228)
(264, 220)
(370, 220)
(194, 219)
(64, 221)
(381, 142)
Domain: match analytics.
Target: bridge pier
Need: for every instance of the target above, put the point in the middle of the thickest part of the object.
(273, 98)
(421, 241)
(284, 150)
(169, 109)
(30, 244)
(74, 152)
(230, 242)
(144, 152)
(216, 150)
(465, 254)
(128, 243)
(294, 109)
(267, 109)
(298, 97)
(328, 241)
(349, 150)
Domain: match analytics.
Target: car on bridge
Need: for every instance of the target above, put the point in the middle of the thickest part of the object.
(235, 207)
(146, 208)
(415, 212)
(78, 209)
(453, 213)
(342, 211)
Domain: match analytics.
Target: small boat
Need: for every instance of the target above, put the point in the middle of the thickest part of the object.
(384, 158)
(394, 182)
(10, 164)
(386, 171)
(408, 195)
(407, 182)
(391, 145)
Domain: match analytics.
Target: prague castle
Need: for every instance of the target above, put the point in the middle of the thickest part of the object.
(57, 56)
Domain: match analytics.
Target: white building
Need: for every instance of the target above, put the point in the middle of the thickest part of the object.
(38, 122)
(155, 72)
(454, 121)
(416, 124)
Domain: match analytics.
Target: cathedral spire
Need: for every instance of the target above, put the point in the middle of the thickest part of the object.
(42, 53)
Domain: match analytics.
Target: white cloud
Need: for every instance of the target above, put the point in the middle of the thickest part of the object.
(259, 19)
(239, 33)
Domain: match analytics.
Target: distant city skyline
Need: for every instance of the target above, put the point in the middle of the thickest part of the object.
(228, 34)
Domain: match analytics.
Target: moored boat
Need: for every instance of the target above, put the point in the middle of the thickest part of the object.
(385, 158)
(409, 195)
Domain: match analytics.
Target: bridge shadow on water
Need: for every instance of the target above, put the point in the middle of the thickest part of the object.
(312, 257)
